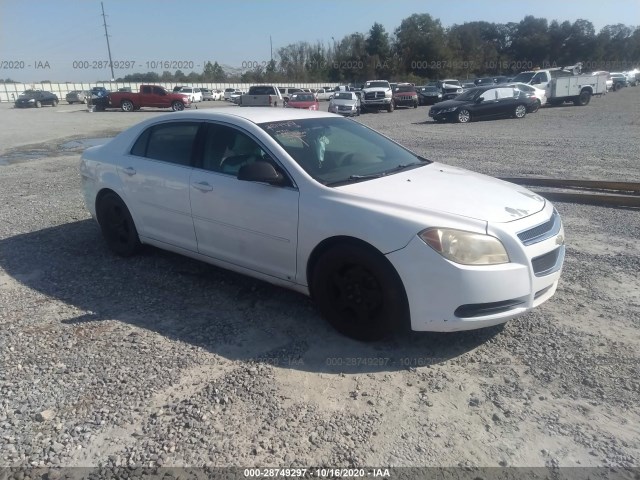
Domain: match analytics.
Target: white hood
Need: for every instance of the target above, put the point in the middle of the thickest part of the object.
(438, 187)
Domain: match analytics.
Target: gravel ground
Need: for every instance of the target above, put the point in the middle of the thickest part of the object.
(160, 360)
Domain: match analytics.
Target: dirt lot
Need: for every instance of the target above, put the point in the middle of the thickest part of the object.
(162, 360)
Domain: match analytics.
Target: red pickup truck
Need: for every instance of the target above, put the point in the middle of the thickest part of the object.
(149, 96)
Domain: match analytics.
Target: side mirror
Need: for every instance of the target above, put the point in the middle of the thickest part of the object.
(479, 99)
(260, 171)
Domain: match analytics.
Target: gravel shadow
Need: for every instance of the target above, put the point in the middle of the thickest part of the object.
(223, 312)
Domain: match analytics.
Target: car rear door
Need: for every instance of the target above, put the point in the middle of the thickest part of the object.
(248, 224)
(156, 175)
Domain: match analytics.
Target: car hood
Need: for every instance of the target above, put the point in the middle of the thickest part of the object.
(295, 104)
(449, 104)
(375, 89)
(438, 187)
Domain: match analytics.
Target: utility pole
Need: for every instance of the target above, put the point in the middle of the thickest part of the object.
(106, 34)
(271, 45)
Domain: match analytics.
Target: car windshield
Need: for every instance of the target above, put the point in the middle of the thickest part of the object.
(343, 96)
(405, 88)
(377, 85)
(430, 88)
(337, 151)
(524, 77)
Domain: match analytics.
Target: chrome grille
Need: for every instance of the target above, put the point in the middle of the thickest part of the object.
(373, 95)
(543, 231)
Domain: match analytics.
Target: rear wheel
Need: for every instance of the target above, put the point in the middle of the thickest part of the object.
(177, 106)
(54, 103)
(359, 292)
(117, 225)
(127, 106)
(464, 116)
(520, 111)
(583, 99)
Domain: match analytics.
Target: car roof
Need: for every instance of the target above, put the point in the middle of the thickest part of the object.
(252, 114)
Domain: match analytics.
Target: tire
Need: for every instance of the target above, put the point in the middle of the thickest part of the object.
(127, 106)
(464, 116)
(54, 103)
(390, 107)
(359, 292)
(38, 104)
(583, 99)
(415, 105)
(177, 106)
(84, 100)
(358, 112)
(70, 103)
(536, 106)
(520, 111)
(116, 223)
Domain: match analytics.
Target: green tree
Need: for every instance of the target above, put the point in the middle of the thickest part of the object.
(421, 46)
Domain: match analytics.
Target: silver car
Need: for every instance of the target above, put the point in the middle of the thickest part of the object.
(77, 96)
(345, 103)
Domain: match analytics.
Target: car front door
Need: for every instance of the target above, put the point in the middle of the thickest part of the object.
(248, 224)
(488, 106)
(156, 175)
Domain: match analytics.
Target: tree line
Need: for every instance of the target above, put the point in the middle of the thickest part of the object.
(420, 49)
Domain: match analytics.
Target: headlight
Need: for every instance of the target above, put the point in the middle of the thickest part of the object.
(467, 248)
(448, 110)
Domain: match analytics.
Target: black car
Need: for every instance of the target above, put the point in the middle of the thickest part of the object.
(484, 102)
(429, 94)
(36, 98)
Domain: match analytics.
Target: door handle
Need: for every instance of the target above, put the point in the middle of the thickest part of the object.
(202, 186)
(129, 171)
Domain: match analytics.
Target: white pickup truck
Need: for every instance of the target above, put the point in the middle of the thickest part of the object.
(565, 84)
(261, 96)
(377, 95)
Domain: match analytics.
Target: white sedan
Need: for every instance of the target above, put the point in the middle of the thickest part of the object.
(378, 236)
(539, 93)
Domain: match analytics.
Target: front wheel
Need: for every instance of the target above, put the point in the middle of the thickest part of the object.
(38, 103)
(415, 105)
(177, 106)
(359, 292)
(390, 107)
(117, 225)
(520, 111)
(127, 106)
(464, 116)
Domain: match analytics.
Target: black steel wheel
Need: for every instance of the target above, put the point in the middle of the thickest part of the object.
(116, 223)
(359, 292)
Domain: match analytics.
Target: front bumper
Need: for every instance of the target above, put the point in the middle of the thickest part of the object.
(445, 296)
(440, 117)
(405, 103)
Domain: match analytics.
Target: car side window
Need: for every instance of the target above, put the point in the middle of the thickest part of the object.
(226, 149)
(539, 78)
(504, 93)
(490, 95)
(146, 89)
(169, 142)
(157, 90)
